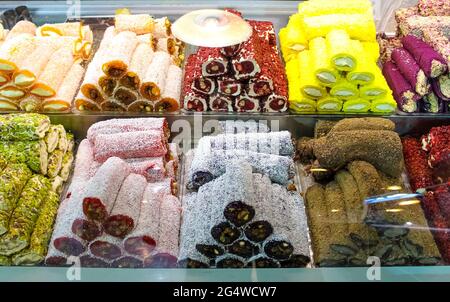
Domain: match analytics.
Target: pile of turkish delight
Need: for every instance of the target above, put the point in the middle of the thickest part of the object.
(120, 209)
(248, 77)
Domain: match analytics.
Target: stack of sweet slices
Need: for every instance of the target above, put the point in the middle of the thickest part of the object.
(40, 66)
(239, 183)
(136, 68)
(120, 209)
(248, 77)
(35, 161)
(417, 60)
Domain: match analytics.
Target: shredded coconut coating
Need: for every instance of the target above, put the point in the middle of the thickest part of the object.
(169, 226)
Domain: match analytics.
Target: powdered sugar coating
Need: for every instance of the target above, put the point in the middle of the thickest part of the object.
(169, 226)
(83, 161)
(240, 126)
(152, 168)
(137, 144)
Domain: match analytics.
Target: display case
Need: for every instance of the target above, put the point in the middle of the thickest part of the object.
(402, 239)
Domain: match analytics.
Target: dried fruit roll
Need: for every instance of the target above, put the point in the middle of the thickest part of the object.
(141, 59)
(162, 28)
(429, 60)
(321, 63)
(42, 233)
(125, 96)
(32, 153)
(246, 103)
(31, 68)
(170, 96)
(260, 228)
(139, 24)
(113, 126)
(169, 231)
(317, 214)
(54, 72)
(261, 261)
(277, 143)
(118, 58)
(137, 144)
(226, 86)
(411, 70)
(13, 179)
(230, 261)
(142, 241)
(209, 165)
(127, 262)
(102, 189)
(310, 86)
(23, 127)
(106, 247)
(89, 260)
(125, 213)
(212, 62)
(15, 50)
(154, 81)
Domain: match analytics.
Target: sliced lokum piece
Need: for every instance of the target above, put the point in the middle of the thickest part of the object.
(102, 189)
(125, 213)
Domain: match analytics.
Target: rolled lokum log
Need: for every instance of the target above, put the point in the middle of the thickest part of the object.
(8, 105)
(324, 7)
(167, 45)
(23, 127)
(194, 80)
(366, 68)
(239, 126)
(429, 60)
(261, 261)
(55, 160)
(83, 104)
(22, 27)
(152, 168)
(127, 262)
(112, 105)
(441, 87)
(56, 185)
(154, 81)
(261, 85)
(246, 103)
(54, 72)
(169, 231)
(243, 248)
(321, 63)
(62, 140)
(403, 13)
(137, 144)
(12, 92)
(331, 150)
(384, 105)
(102, 189)
(404, 94)
(143, 240)
(358, 106)
(51, 138)
(83, 161)
(278, 143)
(411, 70)
(55, 257)
(106, 247)
(125, 96)
(162, 28)
(195, 102)
(377, 89)
(139, 24)
(212, 62)
(339, 47)
(170, 96)
(34, 64)
(113, 126)
(32, 153)
(107, 85)
(4, 77)
(189, 257)
(141, 59)
(204, 85)
(248, 61)
(42, 233)
(369, 123)
(141, 105)
(344, 90)
(210, 165)
(276, 103)
(221, 103)
(309, 86)
(125, 213)
(13, 179)
(118, 58)
(61, 29)
(230, 261)
(431, 104)
(15, 50)
(85, 229)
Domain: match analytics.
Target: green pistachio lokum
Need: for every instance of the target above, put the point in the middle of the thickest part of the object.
(66, 165)
(42, 233)
(52, 138)
(25, 215)
(70, 141)
(5, 261)
(55, 160)
(56, 184)
(32, 153)
(12, 180)
(3, 164)
(62, 138)
(23, 126)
